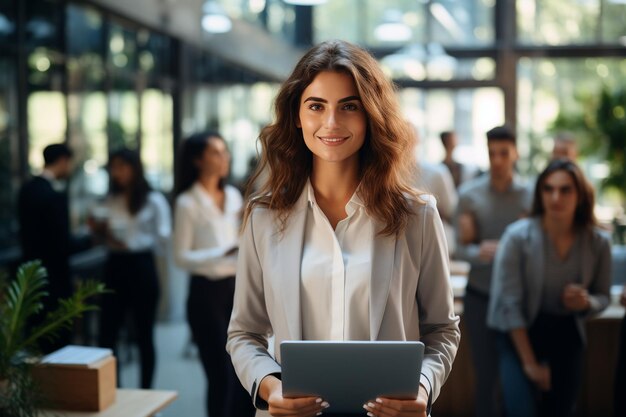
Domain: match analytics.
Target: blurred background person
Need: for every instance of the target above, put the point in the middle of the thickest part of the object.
(552, 271)
(565, 146)
(487, 205)
(460, 172)
(437, 180)
(207, 220)
(45, 231)
(136, 225)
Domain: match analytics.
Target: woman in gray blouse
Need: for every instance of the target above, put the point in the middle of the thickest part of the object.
(551, 272)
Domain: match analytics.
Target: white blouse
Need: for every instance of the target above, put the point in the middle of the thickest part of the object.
(203, 233)
(149, 229)
(335, 273)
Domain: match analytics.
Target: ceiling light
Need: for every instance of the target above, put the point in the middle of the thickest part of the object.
(305, 2)
(393, 28)
(214, 19)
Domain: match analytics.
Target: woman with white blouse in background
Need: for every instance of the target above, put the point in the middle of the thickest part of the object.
(207, 220)
(136, 227)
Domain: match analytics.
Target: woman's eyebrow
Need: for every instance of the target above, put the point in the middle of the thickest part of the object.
(322, 100)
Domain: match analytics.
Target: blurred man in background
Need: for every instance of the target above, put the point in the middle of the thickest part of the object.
(45, 232)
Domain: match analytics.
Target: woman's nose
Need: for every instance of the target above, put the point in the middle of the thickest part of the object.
(555, 195)
(330, 119)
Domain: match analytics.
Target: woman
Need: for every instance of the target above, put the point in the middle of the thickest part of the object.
(207, 220)
(337, 224)
(137, 226)
(551, 272)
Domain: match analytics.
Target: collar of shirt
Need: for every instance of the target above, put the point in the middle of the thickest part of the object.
(47, 174)
(202, 195)
(516, 182)
(57, 185)
(352, 206)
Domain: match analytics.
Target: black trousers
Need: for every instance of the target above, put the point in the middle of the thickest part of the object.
(556, 340)
(619, 402)
(209, 306)
(134, 281)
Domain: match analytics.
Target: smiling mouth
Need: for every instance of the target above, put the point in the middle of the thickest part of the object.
(332, 140)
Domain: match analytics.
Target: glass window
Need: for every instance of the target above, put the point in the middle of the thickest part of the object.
(122, 46)
(280, 19)
(398, 22)
(44, 20)
(154, 53)
(157, 141)
(8, 23)
(461, 23)
(414, 63)
(561, 94)
(123, 114)
(87, 108)
(470, 112)
(613, 21)
(8, 151)
(326, 19)
(47, 124)
(563, 22)
(237, 111)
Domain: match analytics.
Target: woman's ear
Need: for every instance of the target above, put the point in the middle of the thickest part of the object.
(298, 124)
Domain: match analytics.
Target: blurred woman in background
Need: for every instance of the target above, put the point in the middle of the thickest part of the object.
(137, 224)
(207, 220)
(551, 272)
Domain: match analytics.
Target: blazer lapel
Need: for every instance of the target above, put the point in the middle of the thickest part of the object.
(383, 254)
(289, 251)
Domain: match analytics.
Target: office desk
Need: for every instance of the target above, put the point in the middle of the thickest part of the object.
(128, 403)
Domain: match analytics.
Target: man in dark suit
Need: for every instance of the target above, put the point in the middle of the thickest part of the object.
(44, 230)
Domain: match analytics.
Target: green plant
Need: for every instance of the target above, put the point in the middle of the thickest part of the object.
(20, 300)
(601, 126)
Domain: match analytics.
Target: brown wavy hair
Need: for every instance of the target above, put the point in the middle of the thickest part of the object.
(583, 216)
(385, 159)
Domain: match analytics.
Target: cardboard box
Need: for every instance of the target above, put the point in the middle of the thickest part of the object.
(89, 387)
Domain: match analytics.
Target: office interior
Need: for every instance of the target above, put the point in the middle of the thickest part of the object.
(145, 74)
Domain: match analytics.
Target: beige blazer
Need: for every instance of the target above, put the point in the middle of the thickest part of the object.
(410, 298)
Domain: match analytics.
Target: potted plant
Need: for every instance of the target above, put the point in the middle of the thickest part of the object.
(20, 299)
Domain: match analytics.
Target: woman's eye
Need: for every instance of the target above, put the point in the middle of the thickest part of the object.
(315, 107)
(351, 107)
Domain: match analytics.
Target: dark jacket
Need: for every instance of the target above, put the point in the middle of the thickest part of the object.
(44, 232)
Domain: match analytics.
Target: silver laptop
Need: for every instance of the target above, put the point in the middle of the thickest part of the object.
(348, 374)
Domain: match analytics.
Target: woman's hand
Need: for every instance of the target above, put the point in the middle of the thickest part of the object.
(271, 390)
(387, 407)
(539, 374)
(487, 250)
(575, 298)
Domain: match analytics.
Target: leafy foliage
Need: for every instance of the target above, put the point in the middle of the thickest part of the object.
(20, 300)
(602, 126)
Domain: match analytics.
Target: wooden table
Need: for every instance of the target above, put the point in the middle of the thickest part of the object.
(128, 403)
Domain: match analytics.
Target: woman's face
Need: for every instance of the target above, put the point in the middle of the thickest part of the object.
(215, 160)
(559, 196)
(121, 172)
(332, 117)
